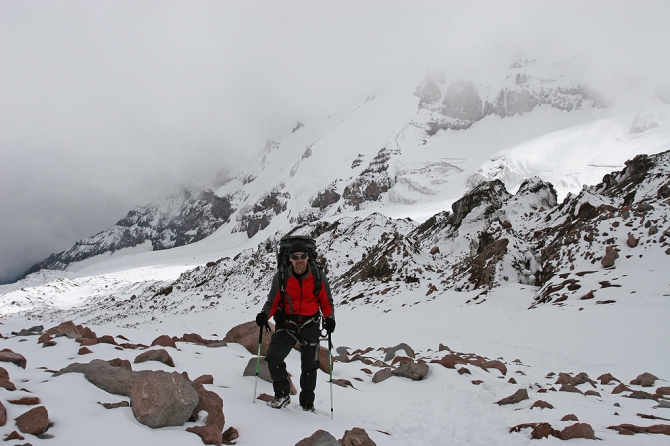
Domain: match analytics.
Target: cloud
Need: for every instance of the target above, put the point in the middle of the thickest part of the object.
(106, 104)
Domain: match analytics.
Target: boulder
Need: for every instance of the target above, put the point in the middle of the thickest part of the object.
(118, 362)
(160, 355)
(542, 405)
(4, 380)
(6, 355)
(495, 364)
(412, 370)
(569, 388)
(67, 329)
(653, 429)
(116, 380)
(34, 422)
(84, 351)
(164, 341)
(570, 417)
(540, 430)
(663, 390)
(632, 241)
(450, 361)
(610, 256)
(621, 387)
(211, 403)
(162, 399)
(3, 414)
(382, 375)
(607, 378)
(577, 430)
(519, 395)
(263, 370)
(319, 438)
(644, 380)
(390, 352)
(247, 336)
(204, 379)
(32, 331)
(25, 401)
(356, 437)
(107, 339)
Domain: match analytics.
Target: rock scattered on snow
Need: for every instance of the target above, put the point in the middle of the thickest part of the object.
(160, 355)
(34, 422)
(519, 395)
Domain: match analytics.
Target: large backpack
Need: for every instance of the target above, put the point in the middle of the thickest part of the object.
(283, 262)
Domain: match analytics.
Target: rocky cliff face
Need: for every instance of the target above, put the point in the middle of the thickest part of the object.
(458, 104)
(183, 218)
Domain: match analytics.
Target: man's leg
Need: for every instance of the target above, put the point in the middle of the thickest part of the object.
(309, 364)
(280, 346)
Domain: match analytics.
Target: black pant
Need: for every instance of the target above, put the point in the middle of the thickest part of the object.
(280, 346)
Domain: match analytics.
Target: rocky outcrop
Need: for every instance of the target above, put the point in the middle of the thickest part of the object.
(261, 213)
(181, 219)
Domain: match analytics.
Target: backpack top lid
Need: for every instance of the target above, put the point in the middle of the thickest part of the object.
(285, 243)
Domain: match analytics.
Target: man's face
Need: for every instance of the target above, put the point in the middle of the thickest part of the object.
(299, 262)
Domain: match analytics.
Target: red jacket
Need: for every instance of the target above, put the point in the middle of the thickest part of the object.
(300, 298)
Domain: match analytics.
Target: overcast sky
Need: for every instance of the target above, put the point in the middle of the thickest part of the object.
(105, 104)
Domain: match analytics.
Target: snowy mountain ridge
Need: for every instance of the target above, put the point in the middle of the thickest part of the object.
(387, 150)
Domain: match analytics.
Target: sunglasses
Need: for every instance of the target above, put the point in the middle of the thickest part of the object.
(302, 256)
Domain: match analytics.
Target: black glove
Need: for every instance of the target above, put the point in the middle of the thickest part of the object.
(329, 324)
(261, 319)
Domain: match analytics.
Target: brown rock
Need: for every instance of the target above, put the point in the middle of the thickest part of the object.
(6, 355)
(610, 256)
(3, 414)
(495, 364)
(229, 435)
(464, 371)
(588, 295)
(569, 388)
(632, 241)
(542, 405)
(578, 430)
(67, 329)
(512, 381)
(592, 393)
(663, 390)
(477, 382)
(519, 395)
(607, 378)
(412, 370)
(211, 403)
(265, 397)
(84, 351)
(4, 380)
(204, 379)
(116, 380)
(450, 361)
(570, 417)
(621, 388)
(641, 395)
(87, 341)
(644, 380)
(435, 250)
(88, 334)
(107, 339)
(118, 362)
(382, 375)
(164, 341)
(34, 422)
(160, 355)
(247, 335)
(540, 430)
(319, 438)
(209, 434)
(654, 429)
(115, 405)
(14, 436)
(160, 399)
(26, 401)
(356, 437)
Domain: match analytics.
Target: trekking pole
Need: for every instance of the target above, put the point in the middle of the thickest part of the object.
(330, 361)
(258, 357)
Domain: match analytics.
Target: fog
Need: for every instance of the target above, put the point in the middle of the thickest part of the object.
(105, 105)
